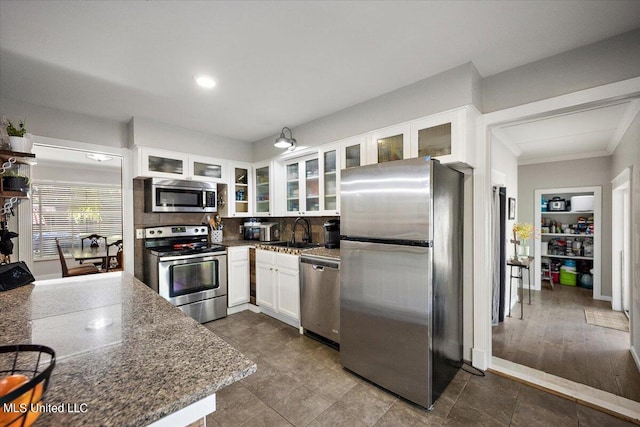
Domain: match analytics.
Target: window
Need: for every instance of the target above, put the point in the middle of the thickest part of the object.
(69, 211)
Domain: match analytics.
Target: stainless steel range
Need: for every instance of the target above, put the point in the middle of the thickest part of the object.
(184, 269)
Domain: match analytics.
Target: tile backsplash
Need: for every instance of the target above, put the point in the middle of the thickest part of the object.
(231, 230)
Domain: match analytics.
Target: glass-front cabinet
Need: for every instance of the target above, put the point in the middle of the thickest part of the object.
(241, 194)
(263, 189)
(353, 152)
(162, 163)
(446, 136)
(330, 180)
(392, 143)
(206, 169)
(302, 192)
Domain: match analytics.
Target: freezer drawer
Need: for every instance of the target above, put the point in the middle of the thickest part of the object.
(320, 296)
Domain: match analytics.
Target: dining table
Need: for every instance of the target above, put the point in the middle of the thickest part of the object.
(85, 254)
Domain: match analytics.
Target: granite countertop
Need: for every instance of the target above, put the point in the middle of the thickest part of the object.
(150, 361)
(317, 251)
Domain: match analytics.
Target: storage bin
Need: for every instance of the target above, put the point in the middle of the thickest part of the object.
(581, 203)
(568, 278)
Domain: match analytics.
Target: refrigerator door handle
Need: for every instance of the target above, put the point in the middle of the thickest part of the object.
(400, 242)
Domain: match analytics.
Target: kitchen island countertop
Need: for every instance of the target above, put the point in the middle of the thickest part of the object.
(123, 352)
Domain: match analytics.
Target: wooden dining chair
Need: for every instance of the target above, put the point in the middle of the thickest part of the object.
(74, 271)
(114, 260)
(94, 241)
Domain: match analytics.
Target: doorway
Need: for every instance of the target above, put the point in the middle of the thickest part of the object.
(76, 191)
(494, 121)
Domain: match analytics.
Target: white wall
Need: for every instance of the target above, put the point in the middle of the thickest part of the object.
(149, 133)
(572, 173)
(628, 154)
(607, 61)
(64, 125)
(453, 88)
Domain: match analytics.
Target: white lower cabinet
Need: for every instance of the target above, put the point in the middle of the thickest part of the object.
(238, 275)
(278, 285)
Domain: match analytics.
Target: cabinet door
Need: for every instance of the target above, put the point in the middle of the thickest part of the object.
(263, 189)
(391, 144)
(238, 276)
(292, 175)
(312, 185)
(265, 285)
(240, 194)
(207, 169)
(353, 152)
(288, 285)
(447, 136)
(330, 182)
(163, 164)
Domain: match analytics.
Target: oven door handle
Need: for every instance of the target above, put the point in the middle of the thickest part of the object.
(188, 258)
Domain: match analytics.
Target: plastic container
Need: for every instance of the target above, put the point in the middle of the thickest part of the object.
(570, 265)
(567, 277)
(581, 203)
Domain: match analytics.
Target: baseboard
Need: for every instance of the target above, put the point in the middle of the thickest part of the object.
(237, 308)
(254, 308)
(479, 359)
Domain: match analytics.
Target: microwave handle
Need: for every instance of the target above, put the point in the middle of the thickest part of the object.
(204, 199)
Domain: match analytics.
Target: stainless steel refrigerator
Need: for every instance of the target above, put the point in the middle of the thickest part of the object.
(401, 276)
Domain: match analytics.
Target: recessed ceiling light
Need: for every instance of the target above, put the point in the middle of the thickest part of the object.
(204, 81)
(99, 157)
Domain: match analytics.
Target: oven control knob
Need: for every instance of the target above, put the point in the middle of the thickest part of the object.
(159, 231)
(152, 232)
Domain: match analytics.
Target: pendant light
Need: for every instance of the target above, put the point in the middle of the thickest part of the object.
(283, 142)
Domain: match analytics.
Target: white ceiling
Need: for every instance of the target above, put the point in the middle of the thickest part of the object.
(591, 132)
(276, 63)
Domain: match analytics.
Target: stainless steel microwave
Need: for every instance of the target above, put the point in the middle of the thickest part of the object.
(172, 195)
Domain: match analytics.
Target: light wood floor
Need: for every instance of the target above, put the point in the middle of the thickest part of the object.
(555, 338)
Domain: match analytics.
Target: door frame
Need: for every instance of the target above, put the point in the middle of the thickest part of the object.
(620, 236)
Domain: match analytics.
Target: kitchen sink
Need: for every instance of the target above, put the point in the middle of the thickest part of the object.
(296, 245)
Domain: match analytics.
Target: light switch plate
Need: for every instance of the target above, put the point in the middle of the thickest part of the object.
(139, 233)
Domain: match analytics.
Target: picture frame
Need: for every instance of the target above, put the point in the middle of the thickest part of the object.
(512, 208)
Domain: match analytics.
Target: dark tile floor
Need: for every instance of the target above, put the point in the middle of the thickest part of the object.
(300, 382)
(555, 338)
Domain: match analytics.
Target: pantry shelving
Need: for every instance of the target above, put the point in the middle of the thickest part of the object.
(567, 236)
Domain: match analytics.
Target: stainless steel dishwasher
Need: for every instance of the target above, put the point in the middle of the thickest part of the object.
(320, 297)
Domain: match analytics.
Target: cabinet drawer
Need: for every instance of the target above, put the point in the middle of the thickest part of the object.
(238, 254)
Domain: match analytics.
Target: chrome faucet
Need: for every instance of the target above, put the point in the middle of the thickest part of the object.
(306, 237)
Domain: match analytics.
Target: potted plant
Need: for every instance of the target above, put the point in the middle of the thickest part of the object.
(14, 181)
(19, 138)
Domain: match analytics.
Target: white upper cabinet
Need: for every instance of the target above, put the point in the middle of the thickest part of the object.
(353, 152)
(329, 157)
(157, 163)
(448, 136)
(152, 162)
(389, 144)
(302, 185)
(263, 189)
(207, 169)
(240, 191)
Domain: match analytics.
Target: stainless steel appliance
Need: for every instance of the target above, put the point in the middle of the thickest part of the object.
(331, 234)
(251, 229)
(172, 195)
(184, 269)
(269, 232)
(320, 297)
(401, 276)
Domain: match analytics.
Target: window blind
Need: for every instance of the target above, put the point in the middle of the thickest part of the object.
(69, 211)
